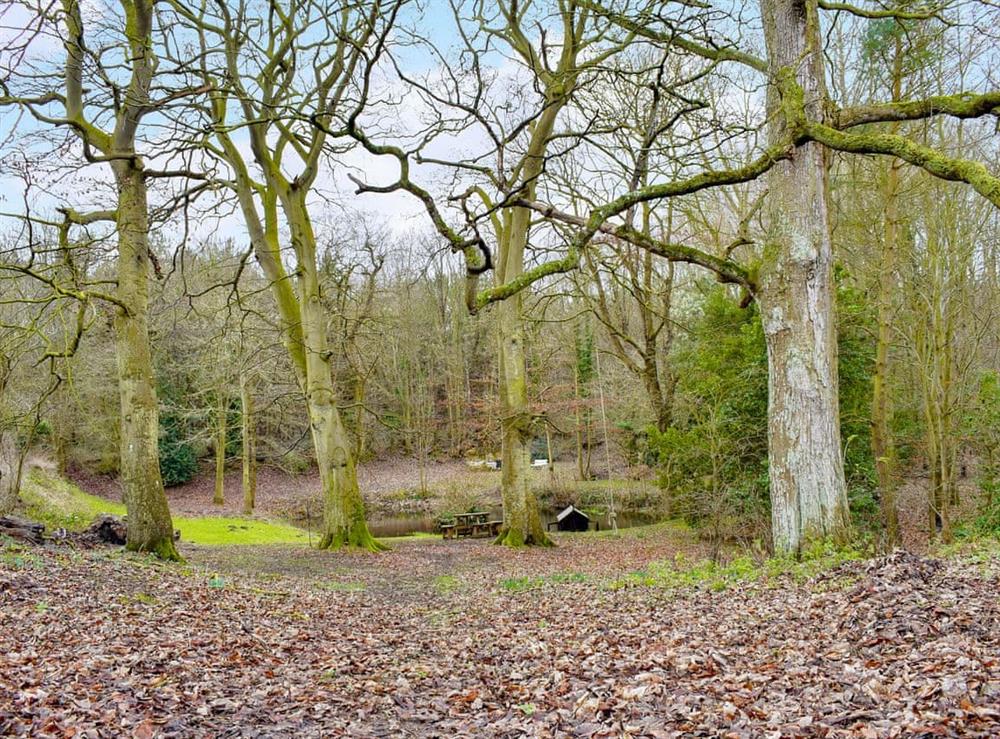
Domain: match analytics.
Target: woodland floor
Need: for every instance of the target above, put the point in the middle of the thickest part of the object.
(467, 639)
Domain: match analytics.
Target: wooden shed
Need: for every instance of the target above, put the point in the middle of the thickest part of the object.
(571, 518)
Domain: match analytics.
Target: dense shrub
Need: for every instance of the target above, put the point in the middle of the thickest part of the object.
(713, 461)
(178, 461)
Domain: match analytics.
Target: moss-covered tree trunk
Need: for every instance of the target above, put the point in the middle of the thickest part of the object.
(796, 297)
(522, 520)
(343, 507)
(150, 528)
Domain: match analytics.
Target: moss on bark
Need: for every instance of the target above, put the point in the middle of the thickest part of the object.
(164, 549)
(354, 536)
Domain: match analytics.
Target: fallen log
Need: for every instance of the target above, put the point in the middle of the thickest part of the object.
(19, 528)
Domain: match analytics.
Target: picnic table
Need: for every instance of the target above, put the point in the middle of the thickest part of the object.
(477, 523)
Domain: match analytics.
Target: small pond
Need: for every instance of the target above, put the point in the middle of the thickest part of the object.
(416, 523)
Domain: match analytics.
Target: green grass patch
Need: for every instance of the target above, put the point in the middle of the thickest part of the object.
(446, 584)
(344, 586)
(16, 556)
(60, 504)
(222, 531)
(649, 531)
(567, 577)
(978, 551)
(682, 573)
(421, 536)
(521, 584)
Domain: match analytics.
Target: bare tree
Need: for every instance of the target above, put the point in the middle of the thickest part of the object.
(287, 83)
(793, 279)
(102, 98)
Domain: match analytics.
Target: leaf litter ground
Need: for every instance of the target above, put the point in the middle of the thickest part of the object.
(467, 639)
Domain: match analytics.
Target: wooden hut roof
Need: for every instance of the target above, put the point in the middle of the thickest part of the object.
(569, 509)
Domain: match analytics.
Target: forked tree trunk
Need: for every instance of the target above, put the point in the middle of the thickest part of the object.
(343, 507)
(522, 523)
(249, 450)
(796, 297)
(150, 528)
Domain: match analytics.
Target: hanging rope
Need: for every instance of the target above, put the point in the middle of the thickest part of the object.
(612, 514)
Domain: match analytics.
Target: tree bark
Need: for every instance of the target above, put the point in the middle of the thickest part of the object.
(221, 412)
(249, 450)
(883, 446)
(343, 507)
(522, 521)
(9, 469)
(796, 298)
(150, 528)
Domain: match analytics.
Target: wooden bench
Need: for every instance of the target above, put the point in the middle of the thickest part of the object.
(473, 524)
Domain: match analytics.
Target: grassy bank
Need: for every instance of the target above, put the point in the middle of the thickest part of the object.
(60, 504)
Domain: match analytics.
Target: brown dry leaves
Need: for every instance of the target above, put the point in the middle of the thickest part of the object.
(100, 644)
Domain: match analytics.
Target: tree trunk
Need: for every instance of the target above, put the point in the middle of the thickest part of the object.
(662, 411)
(522, 521)
(343, 508)
(221, 412)
(549, 453)
(360, 430)
(580, 474)
(249, 451)
(883, 447)
(61, 429)
(150, 528)
(9, 473)
(796, 298)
